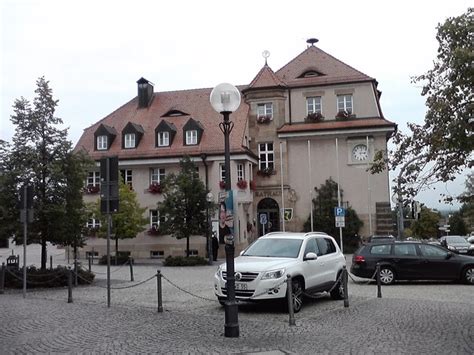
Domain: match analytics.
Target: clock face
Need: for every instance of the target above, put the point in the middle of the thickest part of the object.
(360, 152)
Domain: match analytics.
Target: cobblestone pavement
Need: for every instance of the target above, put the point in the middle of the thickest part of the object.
(424, 318)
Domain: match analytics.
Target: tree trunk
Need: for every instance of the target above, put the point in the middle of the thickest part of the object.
(44, 255)
(116, 250)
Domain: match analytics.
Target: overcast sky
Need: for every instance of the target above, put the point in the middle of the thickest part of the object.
(93, 52)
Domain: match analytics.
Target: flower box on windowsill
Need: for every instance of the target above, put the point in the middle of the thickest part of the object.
(264, 119)
(242, 184)
(222, 185)
(344, 115)
(92, 189)
(267, 172)
(153, 231)
(155, 188)
(314, 117)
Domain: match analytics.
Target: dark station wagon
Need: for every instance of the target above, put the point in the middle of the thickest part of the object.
(401, 260)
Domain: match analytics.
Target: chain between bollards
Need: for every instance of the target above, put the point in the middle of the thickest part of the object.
(159, 289)
(289, 293)
(130, 262)
(2, 279)
(69, 285)
(346, 289)
(379, 284)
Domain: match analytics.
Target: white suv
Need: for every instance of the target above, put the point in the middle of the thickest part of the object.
(313, 260)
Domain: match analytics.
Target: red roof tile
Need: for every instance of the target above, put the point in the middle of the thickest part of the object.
(265, 78)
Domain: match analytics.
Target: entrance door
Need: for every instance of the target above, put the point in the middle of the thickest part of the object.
(269, 208)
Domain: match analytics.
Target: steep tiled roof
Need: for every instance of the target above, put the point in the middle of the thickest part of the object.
(195, 102)
(332, 70)
(265, 78)
(370, 123)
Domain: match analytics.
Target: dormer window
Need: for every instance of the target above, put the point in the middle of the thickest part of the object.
(191, 137)
(129, 140)
(102, 143)
(163, 139)
(265, 110)
(192, 132)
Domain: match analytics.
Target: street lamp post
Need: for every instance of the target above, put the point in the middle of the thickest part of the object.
(225, 99)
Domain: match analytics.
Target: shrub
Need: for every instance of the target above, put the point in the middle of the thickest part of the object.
(121, 259)
(184, 261)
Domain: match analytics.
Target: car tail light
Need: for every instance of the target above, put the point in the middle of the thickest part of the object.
(359, 259)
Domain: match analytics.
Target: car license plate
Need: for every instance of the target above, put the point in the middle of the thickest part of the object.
(240, 286)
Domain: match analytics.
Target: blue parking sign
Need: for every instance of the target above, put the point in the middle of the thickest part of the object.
(339, 211)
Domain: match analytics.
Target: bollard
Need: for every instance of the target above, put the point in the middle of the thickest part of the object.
(346, 289)
(289, 294)
(159, 289)
(69, 285)
(75, 273)
(51, 262)
(2, 279)
(131, 267)
(90, 263)
(379, 284)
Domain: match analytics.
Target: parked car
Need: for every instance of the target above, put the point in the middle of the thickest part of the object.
(411, 261)
(471, 239)
(313, 260)
(457, 244)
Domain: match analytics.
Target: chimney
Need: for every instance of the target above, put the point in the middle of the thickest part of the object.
(145, 92)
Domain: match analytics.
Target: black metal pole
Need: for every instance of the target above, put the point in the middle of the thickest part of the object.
(159, 291)
(346, 289)
(289, 294)
(231, 327)
(379, 284)
(51, 262)
(131, 268)
(2, 279)
(69, 285)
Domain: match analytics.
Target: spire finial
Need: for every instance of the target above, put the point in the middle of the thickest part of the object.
(265, 54)
(312, 41)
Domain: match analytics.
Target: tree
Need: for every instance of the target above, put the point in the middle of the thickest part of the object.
(442, 147)
(427, 225)
(128, 221)
(38, 157)
(184, 205)
(457, 225)
(323, 215)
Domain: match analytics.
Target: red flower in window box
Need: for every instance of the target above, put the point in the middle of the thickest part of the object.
(266, 172)
(314, 117)
(253, 186)
(92, 189)
(343, 115)
(155, 188)
(264, 119)
(242, 184)
(222, 184)
(153, 231)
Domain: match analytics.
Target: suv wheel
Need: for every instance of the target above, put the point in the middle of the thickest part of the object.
(468, 275)
(337, 293)
(297, 287)
(387, 276)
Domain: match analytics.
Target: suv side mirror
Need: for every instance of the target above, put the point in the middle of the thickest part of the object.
(310, 256)
(449, 255)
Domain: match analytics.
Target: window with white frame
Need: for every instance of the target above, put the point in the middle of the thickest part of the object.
(222, 171)
(93, 223)
(313, 105)
(163, 139)
(266, 155)
(129, 140)
(157, 175)
(157, 254)
(93, 178)
(265, 110)
(154, 219)
(101, 142)
(344, 103)
(191, 137)
(240, 172)
(126, 176)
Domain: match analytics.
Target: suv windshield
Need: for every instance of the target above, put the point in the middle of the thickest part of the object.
(280, 248)
(456, 240)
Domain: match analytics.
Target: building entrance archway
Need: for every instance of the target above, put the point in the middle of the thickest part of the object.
(268, 212)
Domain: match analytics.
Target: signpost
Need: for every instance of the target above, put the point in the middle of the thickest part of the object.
(339, 215)
(263, 221)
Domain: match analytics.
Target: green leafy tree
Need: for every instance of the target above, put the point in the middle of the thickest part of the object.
(441, 148)
(457, 224)
(128, 221)
(38, 156)
(323, 216)
(184, 204)
(427, 225)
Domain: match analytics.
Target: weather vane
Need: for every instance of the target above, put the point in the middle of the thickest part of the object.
(265, 54)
